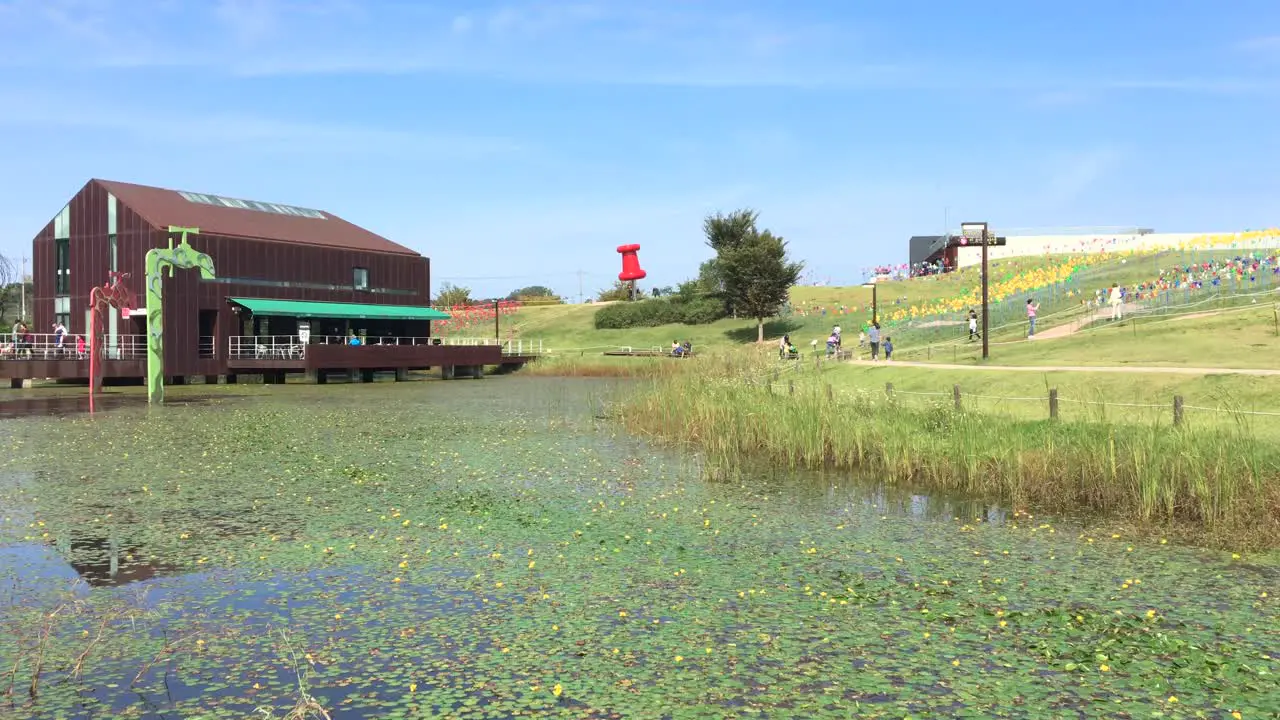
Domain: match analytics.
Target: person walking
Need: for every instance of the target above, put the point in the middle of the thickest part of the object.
(873, 338)
(973, 325)
(1033, 307)
(1116, 300)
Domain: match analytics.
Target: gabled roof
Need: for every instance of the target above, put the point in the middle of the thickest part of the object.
(281, 223)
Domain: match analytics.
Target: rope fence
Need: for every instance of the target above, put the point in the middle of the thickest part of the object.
(1177, 407)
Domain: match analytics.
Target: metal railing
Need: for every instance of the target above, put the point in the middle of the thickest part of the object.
(47, 346)
(265, 347)
(291, 347)
(519, 347)
(469, 341)
(208, 347)
(522, 348)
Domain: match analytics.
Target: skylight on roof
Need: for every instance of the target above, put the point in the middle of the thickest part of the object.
(276, 208)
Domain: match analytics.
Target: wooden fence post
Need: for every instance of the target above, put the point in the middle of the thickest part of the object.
(955, 393)
(830, 393)
(791, 387)
(1177, 409)
(888, 390)
(1053, 403)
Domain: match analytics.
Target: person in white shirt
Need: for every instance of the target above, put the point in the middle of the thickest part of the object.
(59, 334)
(1116, 302)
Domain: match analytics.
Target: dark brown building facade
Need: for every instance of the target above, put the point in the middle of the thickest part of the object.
(260, 250)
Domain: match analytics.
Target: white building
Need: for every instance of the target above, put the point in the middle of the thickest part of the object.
(1092, 241)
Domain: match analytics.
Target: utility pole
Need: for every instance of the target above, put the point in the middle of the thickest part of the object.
(972, 232)
(580, 274)
(986, 351)
(497, 320)
(22, 280)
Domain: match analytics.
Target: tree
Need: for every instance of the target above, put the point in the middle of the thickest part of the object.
(453, 295)
(621, 290)
(536, 294)
(727, 232)
(751, 265)
(11, 289)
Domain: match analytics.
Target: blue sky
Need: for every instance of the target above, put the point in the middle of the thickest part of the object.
(519, 143)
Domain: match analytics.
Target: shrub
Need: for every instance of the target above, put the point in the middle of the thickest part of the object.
(659, 311)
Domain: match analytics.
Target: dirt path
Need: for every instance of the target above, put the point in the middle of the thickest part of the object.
(1084, 368)
(1076, 326)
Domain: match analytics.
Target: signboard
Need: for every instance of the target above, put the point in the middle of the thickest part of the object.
(976, 235)
(992, 241)
(304, 332)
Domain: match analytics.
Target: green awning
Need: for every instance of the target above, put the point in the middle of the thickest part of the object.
(352, 311)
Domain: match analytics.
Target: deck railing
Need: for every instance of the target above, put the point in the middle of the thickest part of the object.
(291, 347)
(208, 347)
(522, 348)
(532, 346)
(47, 346)
(265, 347)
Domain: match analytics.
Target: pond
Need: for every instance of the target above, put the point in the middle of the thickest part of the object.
(497, 549)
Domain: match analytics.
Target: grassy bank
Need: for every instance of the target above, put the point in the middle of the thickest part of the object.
(1220, 484)
(607, 366)
(1212, 402)
(1244, 337)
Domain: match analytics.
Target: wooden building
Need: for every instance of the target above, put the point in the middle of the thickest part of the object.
(293, 287)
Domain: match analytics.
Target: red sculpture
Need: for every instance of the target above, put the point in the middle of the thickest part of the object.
(112, 294)
(631, 270)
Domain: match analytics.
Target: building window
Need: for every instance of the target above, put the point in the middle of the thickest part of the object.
(361, 279)
(62, 247)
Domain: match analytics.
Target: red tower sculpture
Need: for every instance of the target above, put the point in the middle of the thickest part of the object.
(631, 270)
(112, 294)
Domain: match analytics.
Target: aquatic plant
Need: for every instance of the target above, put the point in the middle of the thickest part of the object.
(493, 549)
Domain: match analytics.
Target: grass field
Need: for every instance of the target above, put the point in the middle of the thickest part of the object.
(1238, 338)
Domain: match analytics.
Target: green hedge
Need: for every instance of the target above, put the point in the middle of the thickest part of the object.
(659, 311)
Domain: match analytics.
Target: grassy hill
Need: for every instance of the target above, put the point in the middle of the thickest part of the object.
(919, 312)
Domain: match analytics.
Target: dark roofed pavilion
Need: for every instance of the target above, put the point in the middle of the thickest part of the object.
(282, 271)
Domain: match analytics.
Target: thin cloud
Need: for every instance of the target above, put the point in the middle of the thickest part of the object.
(711, 44)
(248, 21)
(1074, 175)
(263, 134)
(533, 42)
(1265, 44)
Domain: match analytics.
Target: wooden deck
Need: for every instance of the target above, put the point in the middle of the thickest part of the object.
(645, 353)
(318, 359)
(70, 369)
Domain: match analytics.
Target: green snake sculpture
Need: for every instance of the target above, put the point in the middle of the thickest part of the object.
(183, 257)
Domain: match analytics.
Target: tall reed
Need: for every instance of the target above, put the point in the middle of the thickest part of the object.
(1223, 485)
